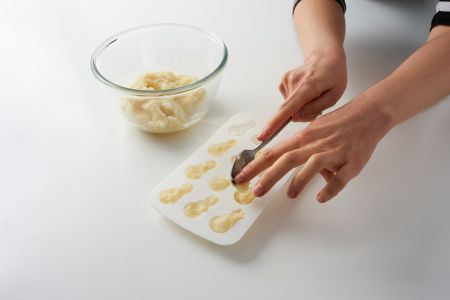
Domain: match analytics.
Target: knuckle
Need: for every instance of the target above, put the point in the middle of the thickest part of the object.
(268, 155)
(267, 179)
(292, 78)
(304, 136)
(286, 77)
(299, 140)
(317, 159)
(295, 77)
(289, 158)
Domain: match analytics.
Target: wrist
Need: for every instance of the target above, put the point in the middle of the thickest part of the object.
(332, 51)
(375, 112)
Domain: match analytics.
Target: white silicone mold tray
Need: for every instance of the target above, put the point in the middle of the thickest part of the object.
(200, 178)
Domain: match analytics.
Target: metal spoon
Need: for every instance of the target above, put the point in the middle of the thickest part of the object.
(246, 156)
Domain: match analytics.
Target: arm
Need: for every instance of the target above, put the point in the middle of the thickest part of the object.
(422, 80)
(320, 27)
(339, 144)
(321, 80)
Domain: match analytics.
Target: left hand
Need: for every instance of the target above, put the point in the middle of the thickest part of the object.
(336, 145)
(310, 89)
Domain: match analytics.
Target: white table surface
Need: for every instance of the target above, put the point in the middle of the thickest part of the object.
(75, 222)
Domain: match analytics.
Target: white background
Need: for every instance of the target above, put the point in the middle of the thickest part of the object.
(75, 222)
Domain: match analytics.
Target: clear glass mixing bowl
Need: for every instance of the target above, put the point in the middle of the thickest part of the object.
(182, 49)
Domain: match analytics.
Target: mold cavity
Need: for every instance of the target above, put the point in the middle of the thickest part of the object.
(172, 195)
(195, 209)
(219, 183)
(197, 171)
(221, 148)
(241, 128)
(222, 224)
(244, 194)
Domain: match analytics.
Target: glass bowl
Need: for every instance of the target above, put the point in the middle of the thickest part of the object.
(165, 75)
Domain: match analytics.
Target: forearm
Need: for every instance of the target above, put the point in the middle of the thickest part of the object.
(422, 80)
(320, 26)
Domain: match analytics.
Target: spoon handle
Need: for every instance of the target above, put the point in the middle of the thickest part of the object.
(260, 146)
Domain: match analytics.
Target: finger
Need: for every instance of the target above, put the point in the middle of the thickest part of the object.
(298, 118)
(295, 101)
(282, 166)
(285, 81)
(312, 166)
(282, 90)
(266, 159)
(336, 184)
(327, 175)
(318, 105)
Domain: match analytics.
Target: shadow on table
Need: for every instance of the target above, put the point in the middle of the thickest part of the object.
(372, 58)
(372, 54)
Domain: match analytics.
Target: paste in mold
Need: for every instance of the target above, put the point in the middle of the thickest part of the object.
(223, 223)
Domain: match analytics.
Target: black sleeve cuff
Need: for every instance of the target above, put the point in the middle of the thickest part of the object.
(341, 3)
(441, 18)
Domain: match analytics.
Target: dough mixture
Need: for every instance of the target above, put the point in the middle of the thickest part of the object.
(222, 148)
(222, 224)
(195, 209)
(172, 195)
(197, 171)
(219, 183)
(163, 114)
(244, 194)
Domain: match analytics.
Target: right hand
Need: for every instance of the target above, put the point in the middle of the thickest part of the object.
(310, 89)
(337, 145)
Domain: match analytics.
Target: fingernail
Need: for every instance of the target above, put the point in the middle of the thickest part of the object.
(258, 190)
(260, 136)
(292, 194)
(320, 198)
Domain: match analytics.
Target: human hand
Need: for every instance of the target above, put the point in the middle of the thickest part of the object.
(336, 145)
(310, 89)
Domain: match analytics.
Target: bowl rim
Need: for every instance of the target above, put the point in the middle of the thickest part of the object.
(136, 92)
